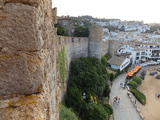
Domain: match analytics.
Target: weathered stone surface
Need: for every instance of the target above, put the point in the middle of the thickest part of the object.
(95, 33)
(19, 28)
(20, 73)
(29, 2)
(28, 60)
(95, 49)
(23, 108)
(2, 3)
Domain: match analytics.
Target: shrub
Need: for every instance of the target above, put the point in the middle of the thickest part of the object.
(133, 85)
(108, 56)
(139, 95)
(118, 72)
(108, 108)
(111, 77)
(137, 80)
(104, 61)
(66, 114)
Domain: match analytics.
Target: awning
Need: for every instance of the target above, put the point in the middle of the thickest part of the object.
(133, 71)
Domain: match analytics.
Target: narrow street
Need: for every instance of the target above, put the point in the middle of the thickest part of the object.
(125, 110)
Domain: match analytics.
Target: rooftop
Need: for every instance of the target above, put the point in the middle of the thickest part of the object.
(115, 60)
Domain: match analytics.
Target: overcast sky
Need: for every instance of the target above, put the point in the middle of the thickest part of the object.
(141, 10)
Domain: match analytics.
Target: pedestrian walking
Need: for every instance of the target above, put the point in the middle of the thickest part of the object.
(118, 101)
(156, 95)
(115, 99)
(121, 84)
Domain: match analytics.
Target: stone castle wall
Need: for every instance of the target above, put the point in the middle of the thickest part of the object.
(105, 47)
(30, 88)
(74, 47)
(28, 81)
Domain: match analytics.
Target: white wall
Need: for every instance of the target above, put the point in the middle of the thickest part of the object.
(115, 67)
(124, 64)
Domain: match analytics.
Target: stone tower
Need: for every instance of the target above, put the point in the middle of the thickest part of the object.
(95, 41)
(111, 47)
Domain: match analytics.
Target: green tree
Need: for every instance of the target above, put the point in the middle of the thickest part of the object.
(111, 77)
(66, 114)
(87, 75)
(61, 30)
(95, 112)
(81, 31)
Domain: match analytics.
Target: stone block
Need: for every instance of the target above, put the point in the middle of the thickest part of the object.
(135, 105)
(141, 116)
(138, 110)
(19, 27)
(2, 3)
(132, 100)
(29, 2)
(20, 73)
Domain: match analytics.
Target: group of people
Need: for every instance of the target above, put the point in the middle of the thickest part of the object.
(116, 100)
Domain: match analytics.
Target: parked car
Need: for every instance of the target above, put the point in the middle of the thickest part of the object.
(143, 73)
(158, 76)
(153, 73)
(142, 77)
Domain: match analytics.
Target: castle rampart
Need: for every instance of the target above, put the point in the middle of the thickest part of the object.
(30, 86)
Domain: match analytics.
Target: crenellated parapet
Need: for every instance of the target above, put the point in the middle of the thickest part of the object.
(63, 40)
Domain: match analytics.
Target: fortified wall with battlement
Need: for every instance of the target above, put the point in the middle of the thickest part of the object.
(30, 86)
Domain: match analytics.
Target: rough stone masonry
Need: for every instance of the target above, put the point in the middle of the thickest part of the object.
(28, 81)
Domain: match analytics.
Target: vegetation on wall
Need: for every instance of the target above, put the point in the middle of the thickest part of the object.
(105, 58)
(62, 58)
(87, 89)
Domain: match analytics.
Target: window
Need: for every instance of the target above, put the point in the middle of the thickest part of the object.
(143, 53)
(137, 54)
(65, 23)
(137, 58)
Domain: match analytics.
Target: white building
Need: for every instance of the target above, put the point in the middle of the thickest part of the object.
(141, 53)
(119, 62)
